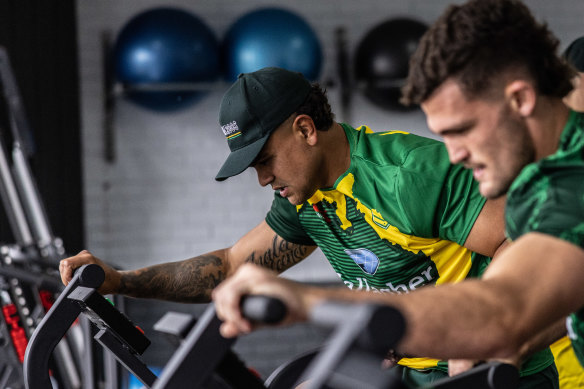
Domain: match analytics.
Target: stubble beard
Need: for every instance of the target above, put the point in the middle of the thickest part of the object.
(520, 150)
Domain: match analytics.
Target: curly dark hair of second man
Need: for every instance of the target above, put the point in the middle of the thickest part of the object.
(481, 39)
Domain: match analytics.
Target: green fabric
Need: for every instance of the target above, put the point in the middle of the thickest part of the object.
(411, 179)
(545, 379)
(548, 197)
(575, 324)
(421, 195)
(395, 220)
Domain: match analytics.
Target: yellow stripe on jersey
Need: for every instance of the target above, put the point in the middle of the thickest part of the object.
(370, 131)
(394, 132)
(418, 363)
(453, 262)
(367, 129)
(569, 369)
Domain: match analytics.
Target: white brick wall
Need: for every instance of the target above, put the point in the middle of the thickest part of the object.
(159, 200)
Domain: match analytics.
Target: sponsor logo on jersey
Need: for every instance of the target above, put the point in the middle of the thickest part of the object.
(413, 283)
(365, 259)
(379, 220)
(321, 212)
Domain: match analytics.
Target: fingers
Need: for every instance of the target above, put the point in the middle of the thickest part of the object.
(457, 366)
(387, 364)
(227, 297)
(230, 330)
(68, 265)
(253, 280)
(248, 280)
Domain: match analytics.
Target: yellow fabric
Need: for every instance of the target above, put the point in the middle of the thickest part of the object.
(452, 261)
(418, 363)
(570, 371)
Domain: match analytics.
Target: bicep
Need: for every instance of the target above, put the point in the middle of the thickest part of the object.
(488, 231)
(262, 246)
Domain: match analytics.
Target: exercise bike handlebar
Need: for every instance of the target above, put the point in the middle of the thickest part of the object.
(263, 309)
(53, 327)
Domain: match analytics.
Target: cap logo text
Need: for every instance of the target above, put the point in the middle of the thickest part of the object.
(230, 129)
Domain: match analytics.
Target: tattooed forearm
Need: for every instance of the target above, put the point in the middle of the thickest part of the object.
(280, 256)
(191, 280)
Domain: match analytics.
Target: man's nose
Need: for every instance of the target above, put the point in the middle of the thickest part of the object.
(456, 151)
(264, 175)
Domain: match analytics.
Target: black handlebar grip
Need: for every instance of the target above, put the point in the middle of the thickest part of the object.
(90, 276)
(263, 309)
(503, 375)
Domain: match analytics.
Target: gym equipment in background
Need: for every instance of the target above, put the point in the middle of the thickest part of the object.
(382, 57)
(29, 277)
(161, 50)
(29, 273)
(271, 37)
(28, 268)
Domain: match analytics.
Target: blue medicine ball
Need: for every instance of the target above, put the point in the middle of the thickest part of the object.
(165, 46)
(271, 37)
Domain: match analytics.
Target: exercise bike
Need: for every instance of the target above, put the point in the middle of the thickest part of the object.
(362, 333)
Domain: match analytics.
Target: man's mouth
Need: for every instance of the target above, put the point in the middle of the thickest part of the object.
(478, 172)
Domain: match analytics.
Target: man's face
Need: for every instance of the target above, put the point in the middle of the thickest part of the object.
(289, 165)
(485, 135)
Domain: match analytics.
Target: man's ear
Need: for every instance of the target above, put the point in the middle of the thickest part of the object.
(305, 128)
(521, 97)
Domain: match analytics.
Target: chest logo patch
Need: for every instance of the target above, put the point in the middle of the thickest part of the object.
(365, 259)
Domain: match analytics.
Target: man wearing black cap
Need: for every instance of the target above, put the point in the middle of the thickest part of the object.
(574, 54)
(388, 209)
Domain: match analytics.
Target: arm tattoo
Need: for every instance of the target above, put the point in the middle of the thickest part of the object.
(189, 281)
(280, 256)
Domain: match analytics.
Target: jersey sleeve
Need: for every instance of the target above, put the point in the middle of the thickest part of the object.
(283, 219)
(441, 199)
(557, 209)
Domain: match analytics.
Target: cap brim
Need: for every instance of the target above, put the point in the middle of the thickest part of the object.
(239, 160)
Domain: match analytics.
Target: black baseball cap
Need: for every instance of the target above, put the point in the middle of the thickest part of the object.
(253, 107)
(574, 54)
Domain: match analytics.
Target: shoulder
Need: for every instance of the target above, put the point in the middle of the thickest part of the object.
(394, 148)
(548, 197)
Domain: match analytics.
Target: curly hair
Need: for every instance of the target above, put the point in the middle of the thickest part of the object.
(316, 106)
(477, 41)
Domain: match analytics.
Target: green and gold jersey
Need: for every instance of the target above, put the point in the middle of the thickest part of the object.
(548, 197)
(395, 221)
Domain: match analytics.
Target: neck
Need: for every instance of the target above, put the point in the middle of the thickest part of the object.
(547, 124)
(337, 154)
